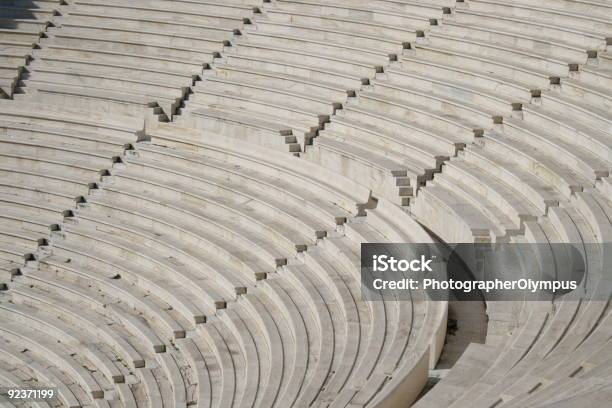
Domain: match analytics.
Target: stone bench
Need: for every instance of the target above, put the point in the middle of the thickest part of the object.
(363, 21)
(470, 95)
(310, 105)
(199, 226)
(404, 322)
(167, 292)
(198, 362)
(88, 141)
(422, 108)
(347, 195)
(167, 12)
(241, 128)
(201, 237)
(12, 234)
(174, 375)
(70, 118)
(31, 211)
(51, 199)
(100, 305)
(313, 72)
(143, 74)
(292, 55)
(328, 91)
(26, 13)
(91, 351)
(560, 320)
(540, 12)
(232, 282)
(449, 216)
(13, 59)
(147, 40)
(248, 219)
(429, 9)
(162, 64)
(507, 354)
(15, 382)
(11, 254)
(80, 40)
(155, 310)
(257, 314)
(425, 125)
(393, 179)
(57, 191)
(362, 43)
(20, 231)
(333, 47)
(138, 328)
(165, 93)
(286, 118)
(321, 328)
(438, 65)
(595, 8)
(291, 313)
(200, 7)
(247, 393)
(56, 354)
(110, 103)
(112, 336)
(102, 362)
(580, 38)
(505, 224)
(508, 199)
(283, 186)
(23, 24)
(562, 179)
(535, 191)
(11, 355)
(198, 283)
(222, 369)
(548, 345)
(77, 170)
(19, 36)
(594, 121)
(526, 60)
(559, 385)
(366, 365)
(98, 158)
(286, 209)
(596, 209)
(581, 161)
(416, 144)
(39, 4)
(549, 48)
(331, 271)
(583, 90)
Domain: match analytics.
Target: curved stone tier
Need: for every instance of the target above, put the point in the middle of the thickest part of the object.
(22, 24)
(214, 261)
(169, 268)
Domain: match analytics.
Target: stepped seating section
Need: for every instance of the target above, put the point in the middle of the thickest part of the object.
(272, 289)
(530, 177)
(299, 62)
(22, 23)
(206, 266)
(476, 94)
(136, 59)
(49, 160)
(559, 350)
